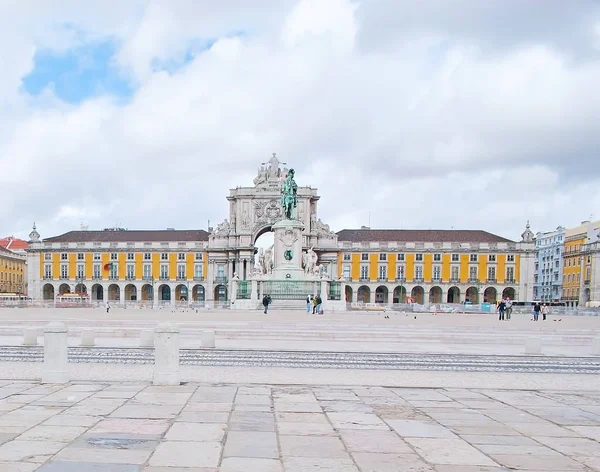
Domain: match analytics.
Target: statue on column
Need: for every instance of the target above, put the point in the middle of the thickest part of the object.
(289, 191)
(268, 260)
(309, 261)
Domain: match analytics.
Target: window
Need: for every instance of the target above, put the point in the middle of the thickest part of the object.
(400, 272)
(473, 273)
(130, 271)
(473, 257)
(96, 256)
(455, 272)
(346, 272)
(64, 271)
(164, 271)
(383, 257)
(437, 273)
(401, 256)
(510, 258)
(114, 271)
(130, 256)
(221, 271)
(492, 258)
(147, 271)
(382, 272)
(164, 256)
(48, 271)
(113, 256)
(198, 271)
(437, 257)
(364, 272)
(491, 273)
(198, 256)
(347, 257)
(80, 271)
(418, 272)
(419, 257)
(455, 258)
(147, 256)
(181, 271)
(510, 274)
(47, 257)
(181, 256)
(80, 256)
(97, 272)
(63, 256)
(364, 257)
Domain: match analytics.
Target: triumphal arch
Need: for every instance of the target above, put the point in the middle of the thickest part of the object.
(303, 259)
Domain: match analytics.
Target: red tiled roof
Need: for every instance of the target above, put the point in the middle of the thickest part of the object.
(420, 235)
(13, 244)
(128, 236)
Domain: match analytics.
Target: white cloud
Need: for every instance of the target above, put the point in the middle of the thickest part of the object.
(421, 117)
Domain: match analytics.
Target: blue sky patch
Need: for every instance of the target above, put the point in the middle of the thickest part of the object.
(78, 74)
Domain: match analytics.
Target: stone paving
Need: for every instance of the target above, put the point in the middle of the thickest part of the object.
(127, 427)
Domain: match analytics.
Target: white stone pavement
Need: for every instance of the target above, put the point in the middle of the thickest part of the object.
(203, 427)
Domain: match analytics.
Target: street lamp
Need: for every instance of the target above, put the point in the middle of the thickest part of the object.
(152, 292)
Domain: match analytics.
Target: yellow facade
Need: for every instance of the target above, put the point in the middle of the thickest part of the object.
(12, 272)
(572, 266)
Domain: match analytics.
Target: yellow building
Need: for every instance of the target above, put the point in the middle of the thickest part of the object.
(12, 272)
(575, 265)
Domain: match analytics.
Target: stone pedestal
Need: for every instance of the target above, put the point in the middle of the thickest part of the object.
(533, 345)
(55, 369)
(166, 352)
(287, 251)
(208, 339)
(87, 338)
(30, 337)
(147, 338)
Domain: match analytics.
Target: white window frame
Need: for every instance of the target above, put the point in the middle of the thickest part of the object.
(147, 268)
(64, 256)
(419, 257)
(347, 257)
(80, 271)
(400, 271)
(473, 258)
(164, 256)
(455, 272)
(198, 256)
(364, 257)
(97, 271)
(147, 256)
(437, 270)
(473, 270)
(130, 256)
(47, 257)
(491, 257)
(418, 271)
(130, 271)
(198, 270)
(491, 273)
(382, 272)
(382, 256)
(97, 256)
(181, 271)
(64, 271)
(364, 271)
(48, 271)
(80, 256)
(437, 257)
(164, 271)
(181, 256)
(455, 257)
(114, 256)
(347, 271)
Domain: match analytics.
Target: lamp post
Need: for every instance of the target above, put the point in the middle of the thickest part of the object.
(152, 292)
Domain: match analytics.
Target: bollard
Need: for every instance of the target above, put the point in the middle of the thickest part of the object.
(596, 346)
(208, 339)
(147, 338)
(533, 346)
(30, 337)
(87, 337)
(55, 369)
(166, 355)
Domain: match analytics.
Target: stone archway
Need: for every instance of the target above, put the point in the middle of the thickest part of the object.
(97, 292)
(587, 294)
(220, 293)
(64, 288)
(130, 292)
(363, 294)
(181, 293)
(490, 295)
(48, 292)
(147, 292)
(198, 293)
(400, 294)
(435, 295)
(509, 292)
(472, 295)
(80, 288)
(114, 292)
(348, 294)
(418, 295)
(381, 294)
(453, 295)
(164, 293)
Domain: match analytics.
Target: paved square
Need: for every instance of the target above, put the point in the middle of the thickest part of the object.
(121, 427)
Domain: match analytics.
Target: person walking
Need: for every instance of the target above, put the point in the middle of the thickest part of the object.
(107, 307)
(508, 310)
(536, 311)
(501, 308)
(545, 311)
(319, 308)
(308, 303)
(314, 304)
(266, 302)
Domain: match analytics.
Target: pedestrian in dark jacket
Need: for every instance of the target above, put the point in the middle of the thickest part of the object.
(266, 302)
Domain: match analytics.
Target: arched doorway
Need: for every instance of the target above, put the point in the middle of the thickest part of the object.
(221, 293)
(80, 288)
(348, 294)
(490, 295)
(181, 293)
(418, 295)
(130, 292)
(198, 293)
(509, 292)
(97, 292)
(400, 294)
(364, 294)
(381, 294)
(586, 296)
(435, 295)
(263, 239)
(472, 295)
(454, 295)
(164, 292)
(48, 292)
(147, 292)
(64, 288)
(114, 292)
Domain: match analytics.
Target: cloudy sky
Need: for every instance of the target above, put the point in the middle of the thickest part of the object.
(437, 114)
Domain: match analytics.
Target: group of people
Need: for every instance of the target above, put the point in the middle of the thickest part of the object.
(315, 303)
(543, 309)
(504, 308)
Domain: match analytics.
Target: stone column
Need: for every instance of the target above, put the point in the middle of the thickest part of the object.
(55, 369)
(372, 295)
(324, 294)
(254, 291)
(166, 351)
(233, 292)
